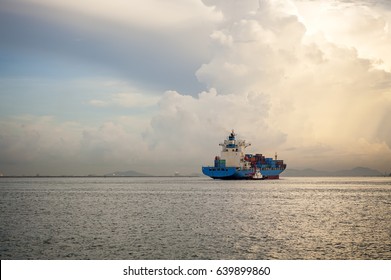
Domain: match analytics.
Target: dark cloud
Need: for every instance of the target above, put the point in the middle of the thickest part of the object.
(169, 58)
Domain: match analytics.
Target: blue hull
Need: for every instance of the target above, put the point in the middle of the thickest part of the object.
(227, 173)
(271, 172)
(232, 173)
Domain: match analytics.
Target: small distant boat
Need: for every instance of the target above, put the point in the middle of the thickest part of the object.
(234, 164)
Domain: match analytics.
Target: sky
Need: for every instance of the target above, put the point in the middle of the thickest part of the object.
(93, 86)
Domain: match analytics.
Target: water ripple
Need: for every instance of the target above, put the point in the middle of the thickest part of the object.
(195, 218)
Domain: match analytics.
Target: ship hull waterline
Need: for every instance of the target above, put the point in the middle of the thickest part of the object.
(231, 173)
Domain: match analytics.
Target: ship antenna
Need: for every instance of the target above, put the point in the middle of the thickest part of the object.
(275, 156)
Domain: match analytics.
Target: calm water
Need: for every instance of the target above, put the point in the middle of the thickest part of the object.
(195, 218)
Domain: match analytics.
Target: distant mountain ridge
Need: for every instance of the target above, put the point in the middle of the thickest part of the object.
(355, 172)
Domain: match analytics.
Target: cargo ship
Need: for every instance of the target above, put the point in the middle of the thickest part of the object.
(234, 164)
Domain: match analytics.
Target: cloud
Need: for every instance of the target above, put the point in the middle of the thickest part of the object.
(194, 126)
(317, 102)
(30, 140)
(127, 100)
(45, 145)
(363, 25)
(138, 43)
(307, 79)
(167, 13)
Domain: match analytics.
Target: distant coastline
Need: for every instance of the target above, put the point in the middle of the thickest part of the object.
(99, 176)
(354, 172)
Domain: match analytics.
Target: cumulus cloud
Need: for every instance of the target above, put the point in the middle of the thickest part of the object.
(363, 25)
(318, 102)
(194, 126)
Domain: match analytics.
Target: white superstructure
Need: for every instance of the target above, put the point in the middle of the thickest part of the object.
(233, 151)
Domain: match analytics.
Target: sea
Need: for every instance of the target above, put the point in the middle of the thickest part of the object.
(191, 218)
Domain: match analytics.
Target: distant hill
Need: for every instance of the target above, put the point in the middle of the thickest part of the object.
(355, 172)
(358, 171)
(129, 173)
